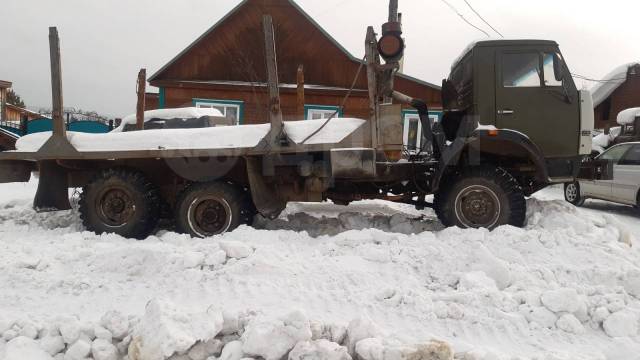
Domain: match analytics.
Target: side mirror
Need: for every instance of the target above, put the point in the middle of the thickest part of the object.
(558, 67)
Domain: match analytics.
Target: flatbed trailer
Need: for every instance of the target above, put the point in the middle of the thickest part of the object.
(479, 174)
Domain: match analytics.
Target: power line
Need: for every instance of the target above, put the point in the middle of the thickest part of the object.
(463, 18)
(582, 77)
(483, 20)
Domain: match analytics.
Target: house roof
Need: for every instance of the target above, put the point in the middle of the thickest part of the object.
(5, 84)
(350, 56)
(610, 83)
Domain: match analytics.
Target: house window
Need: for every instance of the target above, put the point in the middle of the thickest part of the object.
(228, 108)
(319, 112)
(413, 137)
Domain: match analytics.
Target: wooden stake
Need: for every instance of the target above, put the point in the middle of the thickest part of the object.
(275, 111)
(373, 61)
(142, 89)
(59, 128)
(301, 102)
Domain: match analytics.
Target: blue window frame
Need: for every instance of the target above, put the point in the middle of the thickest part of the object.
(412, 134)
(317, 112)
(229, 108)
(161, 98)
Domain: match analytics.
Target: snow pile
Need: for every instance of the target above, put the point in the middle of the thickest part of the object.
(227, 137)
(169, 114)
(164, 332)
(565, 287)
(629, 116)
(602, 141)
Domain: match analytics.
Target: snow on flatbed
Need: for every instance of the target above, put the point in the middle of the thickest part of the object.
(565, 287)
(223, 137)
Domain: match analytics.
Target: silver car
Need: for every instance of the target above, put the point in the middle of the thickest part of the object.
(625, 186)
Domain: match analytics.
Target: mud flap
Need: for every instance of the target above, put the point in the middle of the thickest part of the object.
(596, 170)
(265, 197)
(53, 188)
(15, 171)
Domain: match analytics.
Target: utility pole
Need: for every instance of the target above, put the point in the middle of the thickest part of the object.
(141, 91)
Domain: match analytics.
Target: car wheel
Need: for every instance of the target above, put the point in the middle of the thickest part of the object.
(485, 197)
(208, 209)
(572, 194)
(120, 201)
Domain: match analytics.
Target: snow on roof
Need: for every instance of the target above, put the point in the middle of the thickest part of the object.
(628, 117)
(602, 90)
(215, 138)
(474, 43)
(169, 114)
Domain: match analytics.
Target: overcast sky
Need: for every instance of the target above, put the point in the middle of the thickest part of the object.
(105, 43)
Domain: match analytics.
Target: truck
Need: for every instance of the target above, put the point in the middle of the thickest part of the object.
(514, 123)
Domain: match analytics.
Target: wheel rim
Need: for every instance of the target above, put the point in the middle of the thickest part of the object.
(116, 207)
(209, 215)
(572, 192)
(478, 206)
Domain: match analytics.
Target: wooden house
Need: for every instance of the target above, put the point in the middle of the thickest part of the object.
(618, 92)
(4, 88)
(225, 69)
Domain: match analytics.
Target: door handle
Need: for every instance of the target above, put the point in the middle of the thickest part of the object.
(506, 112)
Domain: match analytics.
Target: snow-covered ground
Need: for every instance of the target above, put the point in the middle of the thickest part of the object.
(565, 287)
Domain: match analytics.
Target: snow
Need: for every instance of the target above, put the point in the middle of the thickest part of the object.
(564, 287)
(23, 348)
(602, 141)
(610, 83)
(629, 116)
(622, 324)
(169, 114)
(227, 137)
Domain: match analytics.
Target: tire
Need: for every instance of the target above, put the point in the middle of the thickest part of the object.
(120, 201)
(572, 194)
(208, 209)
(485, 197)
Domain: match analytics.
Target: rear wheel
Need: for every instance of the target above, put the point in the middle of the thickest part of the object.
(484, 197)
(122, 202)
(208, 209)
(572, 194)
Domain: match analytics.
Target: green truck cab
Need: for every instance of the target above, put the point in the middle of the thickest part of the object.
(518, 98)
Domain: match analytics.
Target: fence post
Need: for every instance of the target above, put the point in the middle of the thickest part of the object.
(24, 125)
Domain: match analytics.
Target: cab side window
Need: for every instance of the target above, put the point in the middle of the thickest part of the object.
(521, 70)
(632, 157)
(550, 76)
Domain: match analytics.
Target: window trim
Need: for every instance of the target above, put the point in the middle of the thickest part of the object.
(238, 103)
(308, 108)
(405, 113)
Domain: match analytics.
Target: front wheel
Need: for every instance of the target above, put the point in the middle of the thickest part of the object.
(572, 194)
(208, 209)
(485, 197)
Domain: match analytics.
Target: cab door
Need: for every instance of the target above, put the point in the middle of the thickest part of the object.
(531, 100)
(626, 175)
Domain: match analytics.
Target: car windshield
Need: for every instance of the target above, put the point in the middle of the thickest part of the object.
(615, 154)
